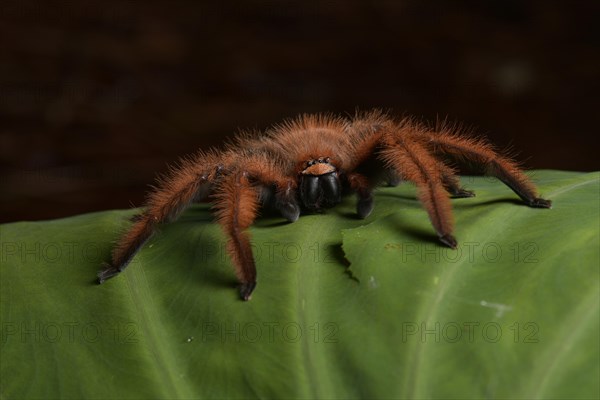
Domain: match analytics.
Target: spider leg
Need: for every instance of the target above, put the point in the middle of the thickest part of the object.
(393, 179)
(364, 191)
(286, 202)
(482, 154)
(236, 206)
(452, 184)
(237, 199)
(449, 180)
(414, 163)
(174, 193)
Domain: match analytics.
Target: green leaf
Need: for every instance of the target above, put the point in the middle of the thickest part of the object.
(344, 308)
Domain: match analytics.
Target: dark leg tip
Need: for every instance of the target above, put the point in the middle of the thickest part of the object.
(246, 290)
(449, 241)
(364, 207)
(462, 193)
(394, 181)
(540, 203)
(108, 272)
(290, 211)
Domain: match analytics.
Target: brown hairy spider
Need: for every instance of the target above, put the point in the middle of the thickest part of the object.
(306, 165)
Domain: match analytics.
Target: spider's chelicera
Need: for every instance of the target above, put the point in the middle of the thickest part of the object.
(320, 185)
(307, 165)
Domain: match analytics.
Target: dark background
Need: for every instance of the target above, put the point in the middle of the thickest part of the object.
(97, 96)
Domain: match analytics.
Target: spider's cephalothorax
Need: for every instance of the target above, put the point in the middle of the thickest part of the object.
(319, 185)
(306, 165)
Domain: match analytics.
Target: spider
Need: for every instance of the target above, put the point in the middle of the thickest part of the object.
(306, 165)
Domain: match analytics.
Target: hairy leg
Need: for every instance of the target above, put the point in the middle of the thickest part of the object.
(368, 129)
(236, 203)
(192, 179)
(413, 162)
(482, 154)
(452, 184)
(237, 199)
(364, 191)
